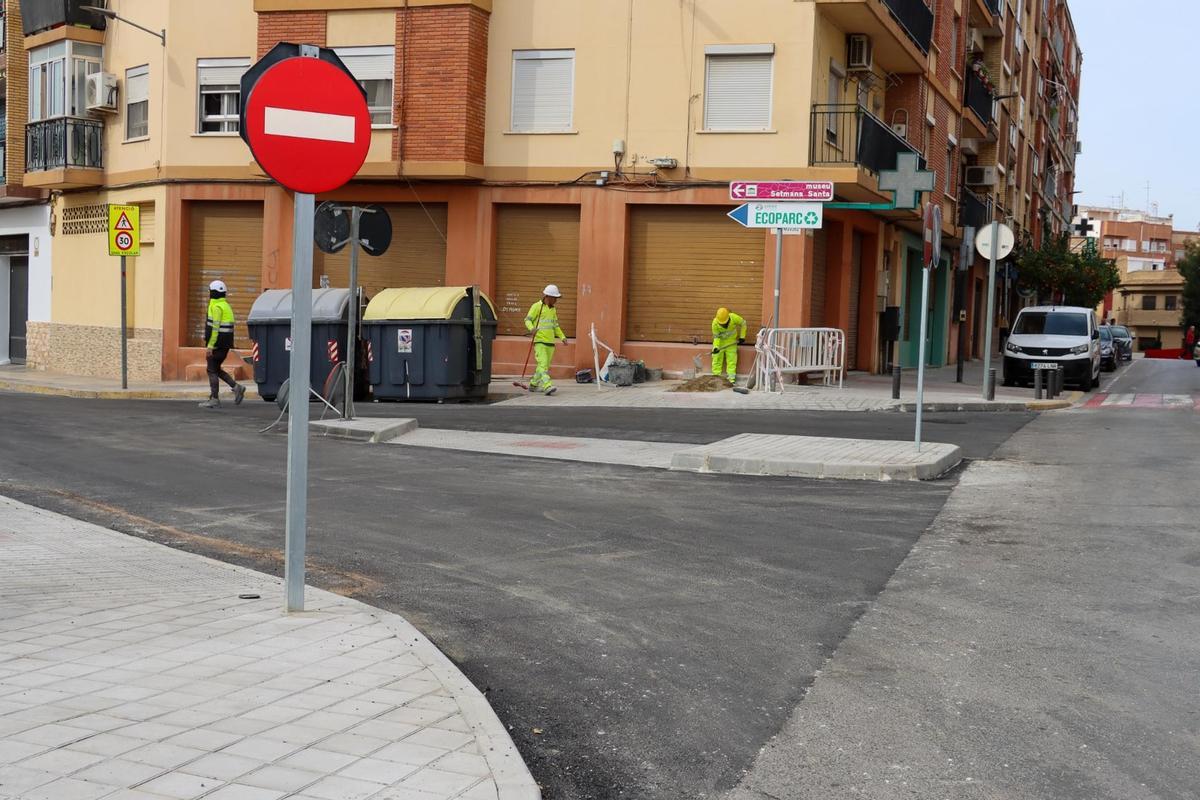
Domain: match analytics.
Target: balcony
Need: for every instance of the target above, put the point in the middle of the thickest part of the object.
(65, 152)
(898, 47)
(41, 15)
(980, 100)
(849, 135)
(975, 211)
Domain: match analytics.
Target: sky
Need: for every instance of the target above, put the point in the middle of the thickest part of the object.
(1139, 106)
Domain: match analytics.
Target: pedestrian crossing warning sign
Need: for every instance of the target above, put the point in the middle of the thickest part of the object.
(124, 231)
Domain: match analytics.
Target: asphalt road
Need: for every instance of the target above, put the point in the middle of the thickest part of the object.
(641, 633)
(1156, 376)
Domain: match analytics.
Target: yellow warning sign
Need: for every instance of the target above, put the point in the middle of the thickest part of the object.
(124, 231)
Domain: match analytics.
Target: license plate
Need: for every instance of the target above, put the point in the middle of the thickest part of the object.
(1043, 365)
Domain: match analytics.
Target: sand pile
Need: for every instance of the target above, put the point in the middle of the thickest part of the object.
(703, 383)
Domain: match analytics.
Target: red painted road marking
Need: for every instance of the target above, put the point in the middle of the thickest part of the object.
(1096, 401)
(1148, 401)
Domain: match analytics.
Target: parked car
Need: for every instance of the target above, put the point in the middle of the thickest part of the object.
(1124, 341)
(1108, 349)
(1066, 336)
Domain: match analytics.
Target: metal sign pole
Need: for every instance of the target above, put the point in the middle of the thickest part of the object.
(921, 352)
(297, 458)
(989, 321)
(778, 273)
(124, 328)
(352, 338)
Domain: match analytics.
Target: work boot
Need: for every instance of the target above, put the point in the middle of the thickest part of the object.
(239, 394)
(551, 390)
(211, 402)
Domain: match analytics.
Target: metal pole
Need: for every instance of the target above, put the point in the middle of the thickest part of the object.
(897, 373)
(991, 306)
(778, 273)
(300, 382)
(124, 329)
(960, 296)
(921, 352)
(991, 384)
(1037, 384)
(352, 338)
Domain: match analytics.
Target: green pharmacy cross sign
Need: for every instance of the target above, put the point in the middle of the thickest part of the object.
(906, 183)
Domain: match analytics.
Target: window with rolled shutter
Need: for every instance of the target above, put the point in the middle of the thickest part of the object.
(737, 87)
(375, 70)
(543, 90)
(218, 82)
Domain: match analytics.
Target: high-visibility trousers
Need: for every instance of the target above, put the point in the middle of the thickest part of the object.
(728, 356)
(543, 354)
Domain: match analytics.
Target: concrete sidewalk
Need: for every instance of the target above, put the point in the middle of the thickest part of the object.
(15, 378)
(132, 671)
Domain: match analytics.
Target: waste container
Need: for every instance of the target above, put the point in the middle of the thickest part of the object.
(429, 343)
(270, 324)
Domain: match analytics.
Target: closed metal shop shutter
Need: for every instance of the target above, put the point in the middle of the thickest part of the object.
(536, 245)
(820, 259)
(225, 243)
(685, 262)
(416, 257)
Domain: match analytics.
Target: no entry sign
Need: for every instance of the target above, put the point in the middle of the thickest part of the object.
(307, 125)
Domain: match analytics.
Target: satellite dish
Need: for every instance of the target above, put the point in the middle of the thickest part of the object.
(331, 227)
(375, 230)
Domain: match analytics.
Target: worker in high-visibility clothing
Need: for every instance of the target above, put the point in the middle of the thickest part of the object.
(542, 322)
(728, 330)
(218, 339)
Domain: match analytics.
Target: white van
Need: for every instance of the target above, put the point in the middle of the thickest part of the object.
(1066, 336)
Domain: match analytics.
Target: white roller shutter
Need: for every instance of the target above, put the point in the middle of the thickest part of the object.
(543, 90)
(369, 63)
(737, 87)
(221, 71)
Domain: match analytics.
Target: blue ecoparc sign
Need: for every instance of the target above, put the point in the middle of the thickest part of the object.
(794, 216)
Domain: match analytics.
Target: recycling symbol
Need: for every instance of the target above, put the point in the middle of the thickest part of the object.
(810, 218)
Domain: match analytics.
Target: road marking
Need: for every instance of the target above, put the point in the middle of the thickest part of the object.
(1119, 400)
(308, 125)
(1097, 401)
(1177, 400)
(1148, 401)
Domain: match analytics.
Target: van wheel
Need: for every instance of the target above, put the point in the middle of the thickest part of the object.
(1095, 382)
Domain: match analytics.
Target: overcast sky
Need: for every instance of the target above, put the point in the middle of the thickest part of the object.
(1140, 106)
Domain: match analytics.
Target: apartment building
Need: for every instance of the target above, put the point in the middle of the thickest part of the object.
(536, 141)
(25, 242)
(1146, 248)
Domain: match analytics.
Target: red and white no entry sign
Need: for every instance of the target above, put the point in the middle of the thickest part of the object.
(308, 125)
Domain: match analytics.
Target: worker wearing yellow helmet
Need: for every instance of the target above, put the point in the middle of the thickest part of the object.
(728, 330)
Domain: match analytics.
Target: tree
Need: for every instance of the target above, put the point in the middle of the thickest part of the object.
(1189, 268)
(1080, 277)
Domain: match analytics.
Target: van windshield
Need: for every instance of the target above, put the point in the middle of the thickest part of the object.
(1051, 323)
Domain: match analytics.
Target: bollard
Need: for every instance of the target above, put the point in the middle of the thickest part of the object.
(896, 373)
(1057, 377)
(991, 384)
(1037, 384)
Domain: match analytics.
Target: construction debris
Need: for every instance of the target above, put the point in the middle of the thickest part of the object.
(704, 383)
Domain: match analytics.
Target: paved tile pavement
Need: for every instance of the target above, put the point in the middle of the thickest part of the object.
(131, 671)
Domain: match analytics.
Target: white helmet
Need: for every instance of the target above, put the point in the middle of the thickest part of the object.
(218, 286)
(552, 291)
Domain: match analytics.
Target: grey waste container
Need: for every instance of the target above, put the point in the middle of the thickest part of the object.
(270, 324)
(429, 343)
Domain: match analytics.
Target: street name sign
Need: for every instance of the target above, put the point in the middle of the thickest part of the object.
(805, 191)
(124, 231)
(796, 216)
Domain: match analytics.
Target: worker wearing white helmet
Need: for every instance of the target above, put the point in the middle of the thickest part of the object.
(218, 339)
(542, 322)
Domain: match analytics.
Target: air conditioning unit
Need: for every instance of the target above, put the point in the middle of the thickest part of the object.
(900, 129)
(975, 40)
(102, 92)
(859, 52)
(981, 176)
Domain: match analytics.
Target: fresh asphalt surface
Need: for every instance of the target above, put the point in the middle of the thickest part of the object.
(1155, 376)
(641, 633)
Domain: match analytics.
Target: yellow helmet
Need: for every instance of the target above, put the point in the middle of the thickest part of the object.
(722, 315)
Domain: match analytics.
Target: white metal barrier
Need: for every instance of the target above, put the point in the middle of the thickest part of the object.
(795, 351)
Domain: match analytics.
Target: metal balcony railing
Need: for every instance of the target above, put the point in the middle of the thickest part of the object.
(973, 210)
(849, 134)
(63, 142)
(915, 18)
(979, 98)
(40, 15)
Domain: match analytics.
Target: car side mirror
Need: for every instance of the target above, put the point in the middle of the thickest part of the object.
(1095, 334)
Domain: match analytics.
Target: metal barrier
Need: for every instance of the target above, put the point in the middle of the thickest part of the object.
(795, 351)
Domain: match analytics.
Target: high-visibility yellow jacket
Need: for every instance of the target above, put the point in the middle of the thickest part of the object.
(543, 319)
(218, 328)
(729, 333)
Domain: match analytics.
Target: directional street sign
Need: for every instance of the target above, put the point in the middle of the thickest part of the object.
(809, 191)
(124, 231)
(779, 215)
(907, 181)
(307, 124)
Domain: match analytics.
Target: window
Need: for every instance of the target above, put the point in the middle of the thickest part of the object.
(1051, 323)
(375, 70)
(949, 187)
(137, 102)
(1172, 302)
(220, 95)
(1149, 302)
(834, 98)
(954, 26)
(58, 79)
(737, 87)
(543, 91)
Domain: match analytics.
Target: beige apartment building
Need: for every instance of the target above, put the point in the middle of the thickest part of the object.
(525, 142)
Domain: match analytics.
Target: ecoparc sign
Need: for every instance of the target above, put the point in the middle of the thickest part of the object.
(792, 216)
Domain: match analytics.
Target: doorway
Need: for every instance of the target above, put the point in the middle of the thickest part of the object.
(18, 307)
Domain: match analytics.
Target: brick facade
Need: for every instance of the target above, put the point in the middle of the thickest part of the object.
(441, 79)
(301, 27)
(16, 63)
